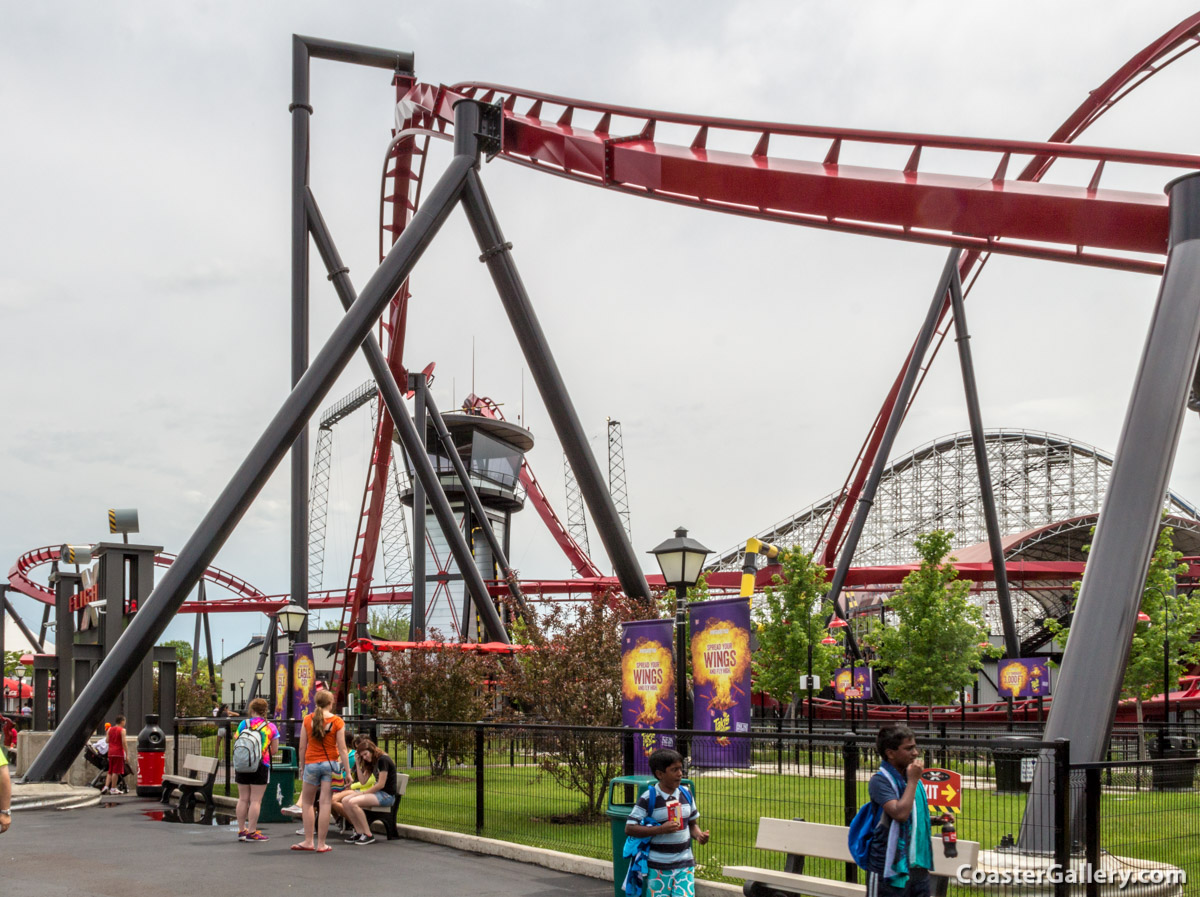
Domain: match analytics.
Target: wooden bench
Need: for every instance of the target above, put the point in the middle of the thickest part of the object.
(387, 815)
(205, 769)
(812, 839)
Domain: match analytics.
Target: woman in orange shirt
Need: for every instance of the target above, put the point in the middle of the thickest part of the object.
(323, 747)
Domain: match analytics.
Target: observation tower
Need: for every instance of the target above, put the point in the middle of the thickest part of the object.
(492, 451)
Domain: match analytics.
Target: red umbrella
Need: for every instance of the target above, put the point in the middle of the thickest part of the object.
(10, 689)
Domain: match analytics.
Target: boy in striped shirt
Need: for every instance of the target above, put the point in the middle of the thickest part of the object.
(670, 861)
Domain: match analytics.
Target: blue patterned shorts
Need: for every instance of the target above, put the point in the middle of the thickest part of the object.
(671, 883)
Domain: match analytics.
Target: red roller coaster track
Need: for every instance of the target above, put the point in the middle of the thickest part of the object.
(986, 213)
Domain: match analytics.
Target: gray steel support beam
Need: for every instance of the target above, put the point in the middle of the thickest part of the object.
(1012, 644)
(301, 111)
(65, 587)
(867, 496)
(417, 615)
(497, 255)
(477, 509)
(157, 611)
(410, 438)
(1089, 680)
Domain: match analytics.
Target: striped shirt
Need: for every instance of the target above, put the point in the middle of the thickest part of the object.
(671, 850)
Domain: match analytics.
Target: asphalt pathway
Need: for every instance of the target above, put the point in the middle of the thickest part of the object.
(126, 848)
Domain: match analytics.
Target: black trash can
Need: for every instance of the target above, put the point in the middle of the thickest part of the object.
(1014, 763)
(1179, 774)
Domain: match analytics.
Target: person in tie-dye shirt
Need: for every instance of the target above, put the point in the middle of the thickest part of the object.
(253, 785)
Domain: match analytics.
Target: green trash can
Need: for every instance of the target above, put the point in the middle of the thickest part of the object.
(623, 792)
(281, 787)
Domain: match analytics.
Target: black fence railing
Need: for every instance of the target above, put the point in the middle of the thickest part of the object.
(1140, 825)
(545, 786)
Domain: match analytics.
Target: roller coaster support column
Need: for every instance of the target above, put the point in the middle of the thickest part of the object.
(300, 110)
(510, 576)
(416, 627)
(889, 436)
(1089, 681)
(153, 616)
(497, 255)
(66, 585)
(1012, 644)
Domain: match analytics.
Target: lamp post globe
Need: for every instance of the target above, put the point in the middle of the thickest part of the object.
(681, 560)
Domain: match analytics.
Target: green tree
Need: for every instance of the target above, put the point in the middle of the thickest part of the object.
(443, 685)
(1174, 621)
(11, 659)
(183, 652)
(934, 649)
(390, 625)
(574, 679)
(789, 620)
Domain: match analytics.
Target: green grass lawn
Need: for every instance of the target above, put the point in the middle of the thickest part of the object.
(526, 805)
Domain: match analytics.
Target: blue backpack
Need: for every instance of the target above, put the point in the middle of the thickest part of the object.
(862, 829)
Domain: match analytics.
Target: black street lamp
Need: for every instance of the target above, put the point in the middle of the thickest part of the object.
(680, 559)
(20, 671)
(291, 619)
(1167, 620)
(242, 688)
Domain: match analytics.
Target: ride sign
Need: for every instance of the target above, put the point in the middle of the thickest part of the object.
(943, 789)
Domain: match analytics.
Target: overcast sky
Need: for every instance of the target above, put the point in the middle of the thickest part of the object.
(145, 293)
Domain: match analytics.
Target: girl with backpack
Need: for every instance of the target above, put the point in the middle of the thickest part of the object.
(252, 784)
(323, 747)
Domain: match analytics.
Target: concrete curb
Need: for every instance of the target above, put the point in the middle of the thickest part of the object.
(49, 796)
(550, 859)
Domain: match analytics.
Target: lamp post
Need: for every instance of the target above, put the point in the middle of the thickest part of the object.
(291, 619)
(680, 559)
(242, 689)
(258, 677)
(20, 671)
(1167, 620)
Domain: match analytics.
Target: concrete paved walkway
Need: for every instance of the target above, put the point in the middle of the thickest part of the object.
(123, 848)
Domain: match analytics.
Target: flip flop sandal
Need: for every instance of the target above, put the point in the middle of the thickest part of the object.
(302, 847)
(325, 849)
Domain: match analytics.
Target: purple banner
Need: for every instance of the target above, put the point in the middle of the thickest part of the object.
(304, 682)
(1024, 677)
(720, 634)
(280, 672)
(852, 684)
(647, 686)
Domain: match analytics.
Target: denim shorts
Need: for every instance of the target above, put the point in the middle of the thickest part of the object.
(316, 773)
(385, 799)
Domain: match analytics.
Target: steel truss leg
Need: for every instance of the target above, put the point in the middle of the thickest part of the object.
(413, 441)
(867, 496)
(1011, 644)
(1089, 681)
(152, 618)
(416, 627)
(497, 256)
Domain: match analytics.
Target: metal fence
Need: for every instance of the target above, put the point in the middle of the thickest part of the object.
(545, 786)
